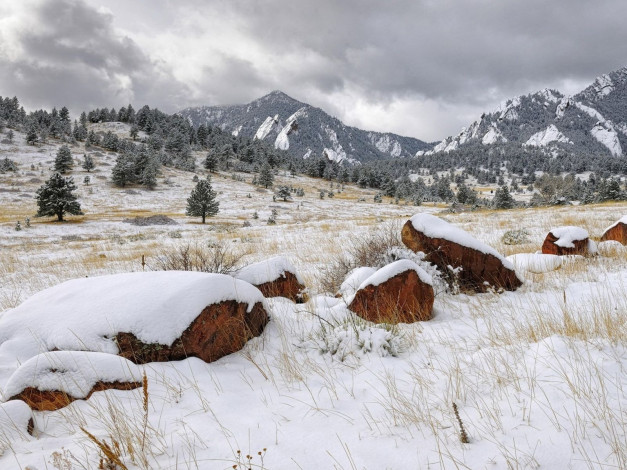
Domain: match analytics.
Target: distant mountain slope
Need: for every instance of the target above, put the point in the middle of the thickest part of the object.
(303, 129)
(592, 122)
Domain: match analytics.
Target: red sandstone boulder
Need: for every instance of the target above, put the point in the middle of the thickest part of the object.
(617, 232)
(568, 241)
(220, 329)
(53, 380)
(275, 277)
(478, 266)
(400, 292)
(144, 317)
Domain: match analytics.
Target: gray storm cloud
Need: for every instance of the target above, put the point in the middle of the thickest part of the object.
(415, 67)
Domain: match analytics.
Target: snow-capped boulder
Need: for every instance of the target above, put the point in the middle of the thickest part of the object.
(616, 231)
(16, 420)
(477, 266)
(568, 240)
(400, 292)
(353, 280)
(53, 380)
(144, 317)
(535, 262)
(275, 277)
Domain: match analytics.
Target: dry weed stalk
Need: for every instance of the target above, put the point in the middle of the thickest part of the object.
(112, 455)
(463, 437)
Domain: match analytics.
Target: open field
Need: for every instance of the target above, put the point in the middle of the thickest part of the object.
(539, 375)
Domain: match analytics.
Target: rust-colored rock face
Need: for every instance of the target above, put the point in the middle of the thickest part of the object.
(46, 400)
(286, 285)
(403, 298)
(480, 271)
(219, 330)
(618, 232)
(550, 248)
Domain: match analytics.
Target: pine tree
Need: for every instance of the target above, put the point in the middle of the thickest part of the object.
(63, 161)
(31, 134)
(266, 178)
(284, 193)
(88, 163)
(149, 174)
(503, 199)
(465, 195)
(202, 201)
(121, 172)
(55, 197)
(211, 162)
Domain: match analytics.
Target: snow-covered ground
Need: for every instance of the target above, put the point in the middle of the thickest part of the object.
(539, 375)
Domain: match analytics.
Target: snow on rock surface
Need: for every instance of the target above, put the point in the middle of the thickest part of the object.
(603, 86)
(266, 127)
(72, 372)
(84, 314)
(535, 262)
(267, 271)
(564, 104)
(394, 269)
(15, 420)
(611, 248)
(606, 135)
(282, 141)
(617, 231)
(354, 279)
(566, 236)
(593, 113)
(545, 137)
(434, 227)
(400, 292)
(466, 263)
(493, 136)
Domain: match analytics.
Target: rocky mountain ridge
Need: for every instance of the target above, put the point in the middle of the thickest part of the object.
(591, 122)
(304, 130)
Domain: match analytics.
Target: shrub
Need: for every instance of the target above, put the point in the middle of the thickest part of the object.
(516, 237)
(377, 248)
(215, 257)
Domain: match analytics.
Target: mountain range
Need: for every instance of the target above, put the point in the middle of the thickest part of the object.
(591, 122)
(304, 130)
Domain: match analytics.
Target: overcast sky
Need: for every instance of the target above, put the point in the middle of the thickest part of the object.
(423, 68)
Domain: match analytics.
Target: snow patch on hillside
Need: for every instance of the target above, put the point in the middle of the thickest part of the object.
(605, 134)
(508, 109)
(337, 153)
(593, 113)
(603, 86)
(266, 127)
(282, 141)
(545, 137)
(386, 144)
(493, 136)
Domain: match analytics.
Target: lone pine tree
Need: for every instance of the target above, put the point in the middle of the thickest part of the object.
(56, 197)
(63, 161)
(88, 163)
(284, 193)
(202, 201)
(266, 178)
(503, 199)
